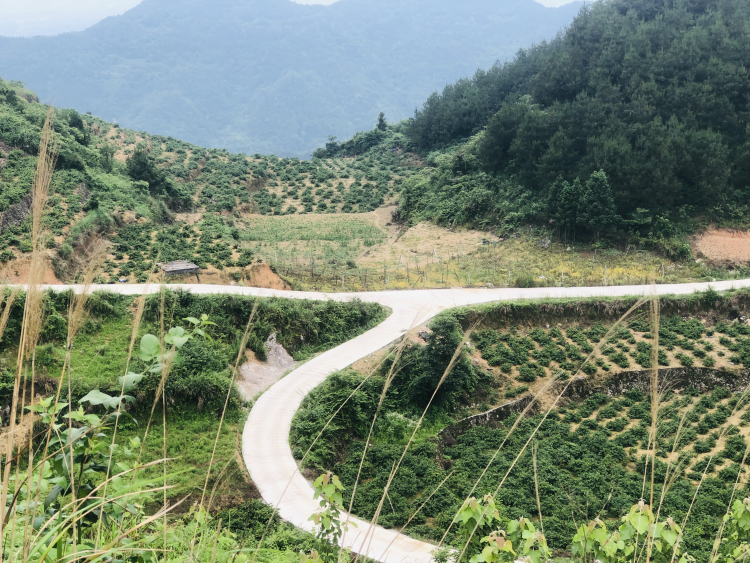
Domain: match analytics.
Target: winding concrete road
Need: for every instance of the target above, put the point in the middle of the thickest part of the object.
(265, 440)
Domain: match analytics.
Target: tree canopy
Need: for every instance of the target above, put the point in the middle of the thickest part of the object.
(650, 93)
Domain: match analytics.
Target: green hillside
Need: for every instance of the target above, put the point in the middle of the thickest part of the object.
(581, 454)
(139, 191)
(651, 92)
(639, 151)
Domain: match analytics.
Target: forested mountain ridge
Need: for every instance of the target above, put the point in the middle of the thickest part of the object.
(653, 93)
(272, 76)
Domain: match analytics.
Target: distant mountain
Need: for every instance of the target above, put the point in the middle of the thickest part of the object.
(273, 76)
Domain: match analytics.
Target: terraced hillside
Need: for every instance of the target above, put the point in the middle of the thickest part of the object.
(332, 223)
(565, 378)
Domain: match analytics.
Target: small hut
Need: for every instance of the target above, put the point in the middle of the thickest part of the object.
(180, 268)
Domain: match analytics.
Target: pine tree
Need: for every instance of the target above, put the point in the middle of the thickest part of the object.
(570, 203)
(382, 125)
(597, 208)
(553, 201)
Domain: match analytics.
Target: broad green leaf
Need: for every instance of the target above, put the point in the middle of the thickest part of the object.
(130, 381)
(149, 347)
(96, 397)
(53, 494)
(179, 341)
(192, 320)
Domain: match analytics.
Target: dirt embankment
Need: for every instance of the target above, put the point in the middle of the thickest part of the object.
(723, 246)
(17, 272)
(261, 275)
(257, 275)
(256, 376)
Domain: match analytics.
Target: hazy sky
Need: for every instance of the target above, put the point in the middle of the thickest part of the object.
(49, 17)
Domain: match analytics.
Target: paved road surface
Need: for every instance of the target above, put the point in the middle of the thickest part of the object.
(265, 441)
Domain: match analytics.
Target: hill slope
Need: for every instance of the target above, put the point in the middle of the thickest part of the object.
(652, 92)
(272, 76)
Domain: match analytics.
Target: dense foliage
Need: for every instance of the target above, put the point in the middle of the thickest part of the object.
(235, 77)
(588, 469)
(203, 376)
(650, 92)
(590, 455)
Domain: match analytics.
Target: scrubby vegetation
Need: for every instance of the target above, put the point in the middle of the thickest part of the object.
(508, 147)
(131, 187)
(304, 328)
(204, 413)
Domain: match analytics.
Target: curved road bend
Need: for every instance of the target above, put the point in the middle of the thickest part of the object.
(265, 440)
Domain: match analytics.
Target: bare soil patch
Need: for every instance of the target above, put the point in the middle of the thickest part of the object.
(17, 272)
(188, 218)
(256, 376)
(261, 275)
(724, 245)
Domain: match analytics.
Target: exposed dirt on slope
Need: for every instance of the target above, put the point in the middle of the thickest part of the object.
(256, 376)
(261, 275)
(257, 275)
(723, 245)
(18, 272)
(188, 218)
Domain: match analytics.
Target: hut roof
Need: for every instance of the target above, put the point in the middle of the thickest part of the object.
(178, 266)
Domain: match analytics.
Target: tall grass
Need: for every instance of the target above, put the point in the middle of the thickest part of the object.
(33, 309)
(25, 532)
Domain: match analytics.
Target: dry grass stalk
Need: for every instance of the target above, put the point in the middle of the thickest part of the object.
(386, 385)
(166, 367)
(240, 353)
(370, 532)
(76, 318)
(421, 506)
(8, 307)
(71, 507)
(448, 370)
(48, 151)
(137, 320)
(32, 321)
(717, 541)
(654, 383)
(742, 401)
(534, 451)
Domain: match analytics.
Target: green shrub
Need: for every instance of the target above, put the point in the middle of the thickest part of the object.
(617, 424)
(685, 360)
(525, 281)
(589, 369)
(529, 372)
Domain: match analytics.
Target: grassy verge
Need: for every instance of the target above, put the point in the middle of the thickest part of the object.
(190, 442)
